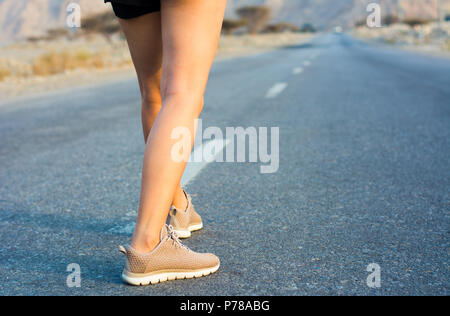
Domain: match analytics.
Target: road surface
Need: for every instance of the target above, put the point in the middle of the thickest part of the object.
(363, 178)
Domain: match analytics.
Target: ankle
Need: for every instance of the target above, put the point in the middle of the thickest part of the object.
(144, 243)
(180, 200)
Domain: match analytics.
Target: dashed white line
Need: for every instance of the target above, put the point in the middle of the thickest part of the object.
(307, 63)
(297, 70)
(126, 229)
(191, 171)
(276, 90)
(194, 168)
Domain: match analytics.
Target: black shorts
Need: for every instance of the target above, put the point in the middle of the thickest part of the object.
(129, 9)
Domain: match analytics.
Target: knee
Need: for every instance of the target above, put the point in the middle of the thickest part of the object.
(184, 100)
(151, 98)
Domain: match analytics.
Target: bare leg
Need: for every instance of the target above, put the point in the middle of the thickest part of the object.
(145, 42)
(190, 34)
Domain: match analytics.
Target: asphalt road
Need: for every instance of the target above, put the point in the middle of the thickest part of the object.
(364, 177)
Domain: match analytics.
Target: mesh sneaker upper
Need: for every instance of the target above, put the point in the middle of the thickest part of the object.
(181, 220)
(170, 254)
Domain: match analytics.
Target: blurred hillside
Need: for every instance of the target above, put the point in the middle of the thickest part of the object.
(325, 14)
(37, 66)
(32, 18)
(100, 46)
(427, 37)
(21, 19)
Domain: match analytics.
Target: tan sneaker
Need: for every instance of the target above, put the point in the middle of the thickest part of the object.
(187, 221)
(170, 260)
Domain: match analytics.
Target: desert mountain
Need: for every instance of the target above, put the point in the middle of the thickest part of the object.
(25, 18)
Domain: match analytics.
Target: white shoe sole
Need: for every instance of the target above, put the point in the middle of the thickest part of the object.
(167, 276)
(187, 233)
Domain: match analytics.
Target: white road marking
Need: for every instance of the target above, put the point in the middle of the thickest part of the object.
(307, 63)
(194, 168)
(276, 90)
(297, 70)
(127, 229)
(191, 171)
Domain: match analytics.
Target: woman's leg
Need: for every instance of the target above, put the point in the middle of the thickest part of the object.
(145, 42)
(190, 34)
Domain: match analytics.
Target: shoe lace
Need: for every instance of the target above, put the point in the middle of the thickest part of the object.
(173, 235)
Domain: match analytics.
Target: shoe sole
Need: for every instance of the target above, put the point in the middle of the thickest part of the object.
(156, 278)
(187, 233)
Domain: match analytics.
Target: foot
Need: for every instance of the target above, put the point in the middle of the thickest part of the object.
(170, 260)
(185, 221)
